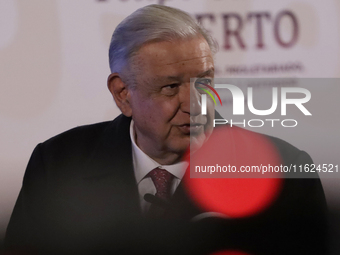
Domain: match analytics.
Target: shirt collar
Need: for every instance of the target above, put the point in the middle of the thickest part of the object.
(143, 164)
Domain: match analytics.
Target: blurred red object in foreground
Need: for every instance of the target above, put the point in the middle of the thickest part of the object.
(234, 194)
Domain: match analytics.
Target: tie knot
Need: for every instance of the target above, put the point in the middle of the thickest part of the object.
(162, 180)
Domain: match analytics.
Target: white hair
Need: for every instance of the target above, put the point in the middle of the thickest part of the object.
(152, 23)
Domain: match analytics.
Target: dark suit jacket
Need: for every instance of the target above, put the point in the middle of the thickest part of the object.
(79, 195)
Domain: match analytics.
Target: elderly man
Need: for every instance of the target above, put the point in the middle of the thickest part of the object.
(106, 188)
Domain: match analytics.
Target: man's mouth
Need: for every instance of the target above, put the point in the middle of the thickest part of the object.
(192, 128)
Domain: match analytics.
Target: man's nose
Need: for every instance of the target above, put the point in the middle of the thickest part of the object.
(191, 101)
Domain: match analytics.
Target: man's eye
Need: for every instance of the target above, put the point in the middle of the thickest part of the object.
(170, 89)
(202, 82)
(172, 86)
(202, 85)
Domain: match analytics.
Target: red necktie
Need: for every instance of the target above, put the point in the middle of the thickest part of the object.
(162, 180)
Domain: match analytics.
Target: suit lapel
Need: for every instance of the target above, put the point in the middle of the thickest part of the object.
(110, 169)
(184, 206)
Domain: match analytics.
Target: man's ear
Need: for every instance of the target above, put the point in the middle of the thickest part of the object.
(120, 93)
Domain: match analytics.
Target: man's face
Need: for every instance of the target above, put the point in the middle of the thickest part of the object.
(164, 111)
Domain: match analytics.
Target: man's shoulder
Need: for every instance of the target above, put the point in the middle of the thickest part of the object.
(288, 152)
(88, 134)
(85, 134)
(81, 142)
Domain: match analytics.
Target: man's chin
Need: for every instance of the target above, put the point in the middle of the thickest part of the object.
(197, 142)
(194, 142)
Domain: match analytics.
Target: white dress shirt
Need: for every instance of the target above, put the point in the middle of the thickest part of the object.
(143, 164)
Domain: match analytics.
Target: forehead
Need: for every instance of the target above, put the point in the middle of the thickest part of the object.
(171, 58)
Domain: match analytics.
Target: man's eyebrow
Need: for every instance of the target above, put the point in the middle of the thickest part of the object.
(179, 77)
(206, 73)
(175, 78)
